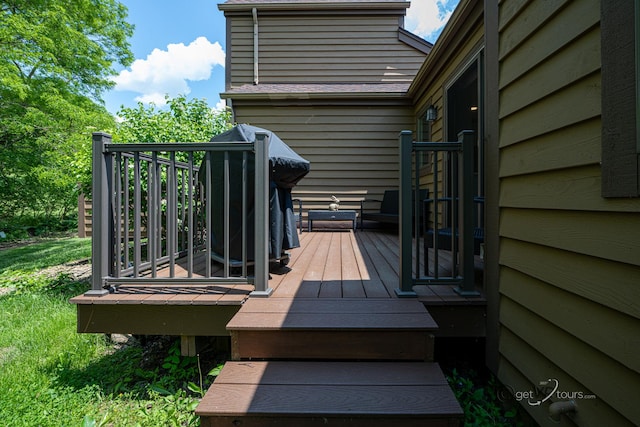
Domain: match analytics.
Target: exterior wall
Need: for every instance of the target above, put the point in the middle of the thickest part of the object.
(350, 136)
(321, 48)
(353, 149)
(457, 45)
(569, 259)
(461, 42)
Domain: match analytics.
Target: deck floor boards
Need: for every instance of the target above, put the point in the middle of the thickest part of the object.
(328, 264)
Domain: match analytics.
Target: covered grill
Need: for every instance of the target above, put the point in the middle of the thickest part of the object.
(286, 168)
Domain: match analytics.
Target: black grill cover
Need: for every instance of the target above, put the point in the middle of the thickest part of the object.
(287, 168)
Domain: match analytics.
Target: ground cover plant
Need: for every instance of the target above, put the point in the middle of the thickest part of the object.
(52, 376)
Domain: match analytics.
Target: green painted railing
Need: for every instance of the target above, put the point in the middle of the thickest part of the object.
(150, 209)
(417, 232)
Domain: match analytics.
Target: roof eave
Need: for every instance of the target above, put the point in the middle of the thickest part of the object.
(400, 6)
(457, 20)
(280, 96)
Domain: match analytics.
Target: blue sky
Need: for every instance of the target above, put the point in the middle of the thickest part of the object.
(179, 48)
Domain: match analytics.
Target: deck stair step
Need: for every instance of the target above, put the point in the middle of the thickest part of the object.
(332, 329)
(304, 393)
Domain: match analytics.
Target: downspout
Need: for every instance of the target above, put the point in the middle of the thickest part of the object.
(254, 12)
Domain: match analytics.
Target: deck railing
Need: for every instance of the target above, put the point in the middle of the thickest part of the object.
(153, 205)
(422, 221)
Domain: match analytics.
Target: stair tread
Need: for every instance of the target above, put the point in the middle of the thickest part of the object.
(330, 389)
(295, 313)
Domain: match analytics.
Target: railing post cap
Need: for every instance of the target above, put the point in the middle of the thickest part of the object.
(99, 136)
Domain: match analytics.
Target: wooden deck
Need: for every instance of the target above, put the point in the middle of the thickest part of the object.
(329, 264)
(332, 344)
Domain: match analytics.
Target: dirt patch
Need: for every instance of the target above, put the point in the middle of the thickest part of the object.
(6, 291)
(77, 270)
(7, 354)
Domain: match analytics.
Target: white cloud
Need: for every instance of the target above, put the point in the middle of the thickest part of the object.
(426, 18)
(169, 71)
(221, 105)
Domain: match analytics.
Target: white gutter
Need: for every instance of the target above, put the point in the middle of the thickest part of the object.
(254, 12)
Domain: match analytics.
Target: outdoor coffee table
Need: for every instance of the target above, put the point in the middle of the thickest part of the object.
(326, 215)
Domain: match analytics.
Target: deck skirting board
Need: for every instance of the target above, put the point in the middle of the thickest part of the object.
(155, 319)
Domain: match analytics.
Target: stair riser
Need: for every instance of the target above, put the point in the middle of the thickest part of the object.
(323, 422)
(333, 345)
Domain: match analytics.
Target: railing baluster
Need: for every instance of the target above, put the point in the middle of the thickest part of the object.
(208, 206)
(453, 218)
(416, 212)
(152, 229)
(436, 217)
(118, 215)
(225, 194)
(172, 214)
(183, 211)
(245, 178)
(137, 216)
(126, 212)
(190, 217)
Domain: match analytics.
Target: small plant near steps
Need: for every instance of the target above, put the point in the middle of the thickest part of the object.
(480, 400)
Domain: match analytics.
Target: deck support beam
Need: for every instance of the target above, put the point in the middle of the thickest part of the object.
(188, 345)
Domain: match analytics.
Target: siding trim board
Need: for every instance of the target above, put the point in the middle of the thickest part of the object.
(414, 41)
(620, 157)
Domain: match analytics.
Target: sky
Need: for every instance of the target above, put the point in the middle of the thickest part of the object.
(179, 49)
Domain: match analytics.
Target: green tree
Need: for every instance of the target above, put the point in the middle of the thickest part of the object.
(56, 60)
(183, 121)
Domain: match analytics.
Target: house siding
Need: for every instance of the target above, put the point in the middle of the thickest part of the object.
(350, 136)
(353, 150)
(321, 48)
(460, 44)
(569, 259)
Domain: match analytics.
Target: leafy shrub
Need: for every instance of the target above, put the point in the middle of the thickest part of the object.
(480, 400)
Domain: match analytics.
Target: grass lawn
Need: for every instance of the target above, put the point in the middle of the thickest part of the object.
(52, 376)
(43, 254)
